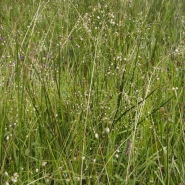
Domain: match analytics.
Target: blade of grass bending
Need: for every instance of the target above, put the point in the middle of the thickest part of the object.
(155, 110)
(114, 122)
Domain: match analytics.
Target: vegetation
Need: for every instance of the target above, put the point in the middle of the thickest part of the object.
(92, 92)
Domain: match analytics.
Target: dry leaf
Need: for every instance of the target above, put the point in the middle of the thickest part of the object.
(129, 148)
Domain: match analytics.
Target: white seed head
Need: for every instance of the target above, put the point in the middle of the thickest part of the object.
(96, 136)
(107, 129)
(44, 163)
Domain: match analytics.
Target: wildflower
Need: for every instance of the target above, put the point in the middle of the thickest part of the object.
(7, 138)
(96, 136)
(14, 178)
(107, 129)
(15, 174)
(6, 174)
(44, 163)
(174, 88)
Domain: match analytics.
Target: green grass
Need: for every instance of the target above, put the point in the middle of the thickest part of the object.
(92, 93)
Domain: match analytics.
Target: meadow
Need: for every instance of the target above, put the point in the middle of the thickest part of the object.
(92, 92)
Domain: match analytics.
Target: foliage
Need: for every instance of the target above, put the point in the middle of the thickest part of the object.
(92, 92)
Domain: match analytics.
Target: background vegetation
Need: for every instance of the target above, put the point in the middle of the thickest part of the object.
(92, 92)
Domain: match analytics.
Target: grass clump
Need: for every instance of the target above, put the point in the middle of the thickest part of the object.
(92, 92)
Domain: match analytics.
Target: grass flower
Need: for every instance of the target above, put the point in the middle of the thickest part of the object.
(77, 78)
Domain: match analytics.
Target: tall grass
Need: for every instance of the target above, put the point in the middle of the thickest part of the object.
(92, 92)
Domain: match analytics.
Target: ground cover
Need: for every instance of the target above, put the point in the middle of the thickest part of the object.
(92, 92)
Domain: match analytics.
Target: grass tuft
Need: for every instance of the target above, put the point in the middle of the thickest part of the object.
(92, 93)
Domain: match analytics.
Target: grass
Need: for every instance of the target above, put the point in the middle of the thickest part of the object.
(92, 93)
